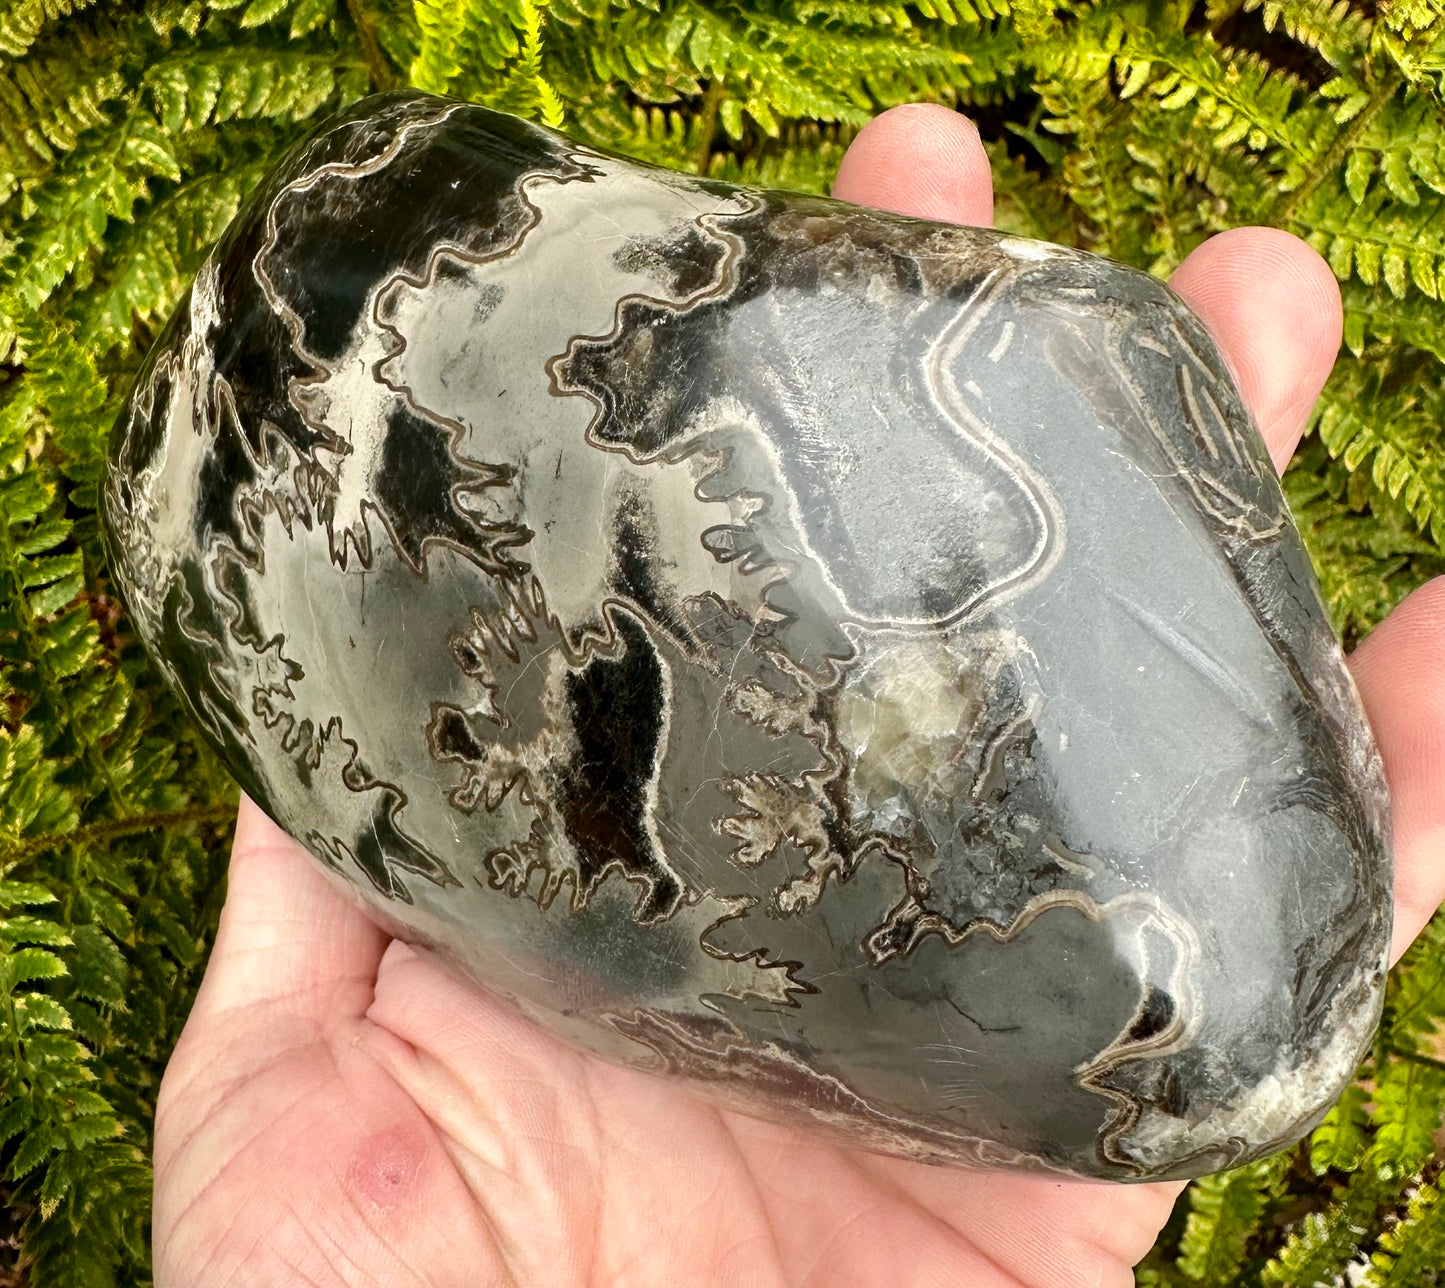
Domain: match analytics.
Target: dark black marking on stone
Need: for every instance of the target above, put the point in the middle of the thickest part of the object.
(618, 714)
(417, 488)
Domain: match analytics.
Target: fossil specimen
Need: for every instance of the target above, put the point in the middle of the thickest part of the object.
(861, 665)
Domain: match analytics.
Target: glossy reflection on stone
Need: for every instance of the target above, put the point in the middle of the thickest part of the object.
(862, 665)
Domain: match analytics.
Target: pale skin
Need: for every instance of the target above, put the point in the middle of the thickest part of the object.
(341, 1111)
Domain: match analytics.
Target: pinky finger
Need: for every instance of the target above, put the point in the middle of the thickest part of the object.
(1400, 671)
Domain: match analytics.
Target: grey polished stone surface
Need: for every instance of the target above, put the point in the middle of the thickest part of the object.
(862, 665)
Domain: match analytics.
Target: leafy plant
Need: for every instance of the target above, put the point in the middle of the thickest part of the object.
(131, 131)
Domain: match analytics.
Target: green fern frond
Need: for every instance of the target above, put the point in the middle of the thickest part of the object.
(32, 804)
(1388, 431)
(98, 182)
(1412, 1251)
(259, 12)
(50, 112)
(1414, 39)
(204, 88)
(1409, 17)
(551, 111)
(1025, 204)
(1324, 1242)
(22, 21)
(1342, 1139)
(437, 61)
(1379, 243)
(1376, 315)
(806, 162)
(154, 257)
(1404, 147)
(522, 86)
(1415, 1010)
(1409, 1098)
(1225, 1213)
(1367, 548)
(1337, 30)
(1236, 98)
(1097, 172)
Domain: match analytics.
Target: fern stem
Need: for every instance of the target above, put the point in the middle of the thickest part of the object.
(707, 124)
(55, 690)
(12, 1023)
(182, 983)
(1112, 223)
(381, 77)
(116, 827)
(1415, 1057)
(1287, 203)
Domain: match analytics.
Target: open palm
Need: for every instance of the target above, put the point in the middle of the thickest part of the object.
(341, 1110)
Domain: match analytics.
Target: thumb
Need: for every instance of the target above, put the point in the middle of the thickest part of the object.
(291, 946)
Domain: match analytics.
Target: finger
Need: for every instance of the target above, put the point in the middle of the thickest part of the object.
(1273, 307)
(291, 945)
(1043, 1230)
(920, 159)
(1401, 680)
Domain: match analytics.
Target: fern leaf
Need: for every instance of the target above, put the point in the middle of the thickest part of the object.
(73, 209)
(310, 14)
(435, 65)
(1335, 29)
(1323, 1243)
(1411, 321)
(22, 21)
(1378, 241)
(1413, 1250)
(1409, 1098)
(1224, 1214)
(1415, 1008)
(197, 89)
(1400, 455)
(32, 801)
(1341, 1140)
(152, 260)
(1236, 97)
(259, 12)
(20, 894)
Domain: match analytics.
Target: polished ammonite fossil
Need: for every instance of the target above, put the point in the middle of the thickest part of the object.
(861, 665)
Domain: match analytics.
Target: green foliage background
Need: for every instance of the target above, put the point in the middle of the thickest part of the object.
(129, 132)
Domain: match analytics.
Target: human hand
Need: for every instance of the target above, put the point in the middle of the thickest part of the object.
(342, 1110)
